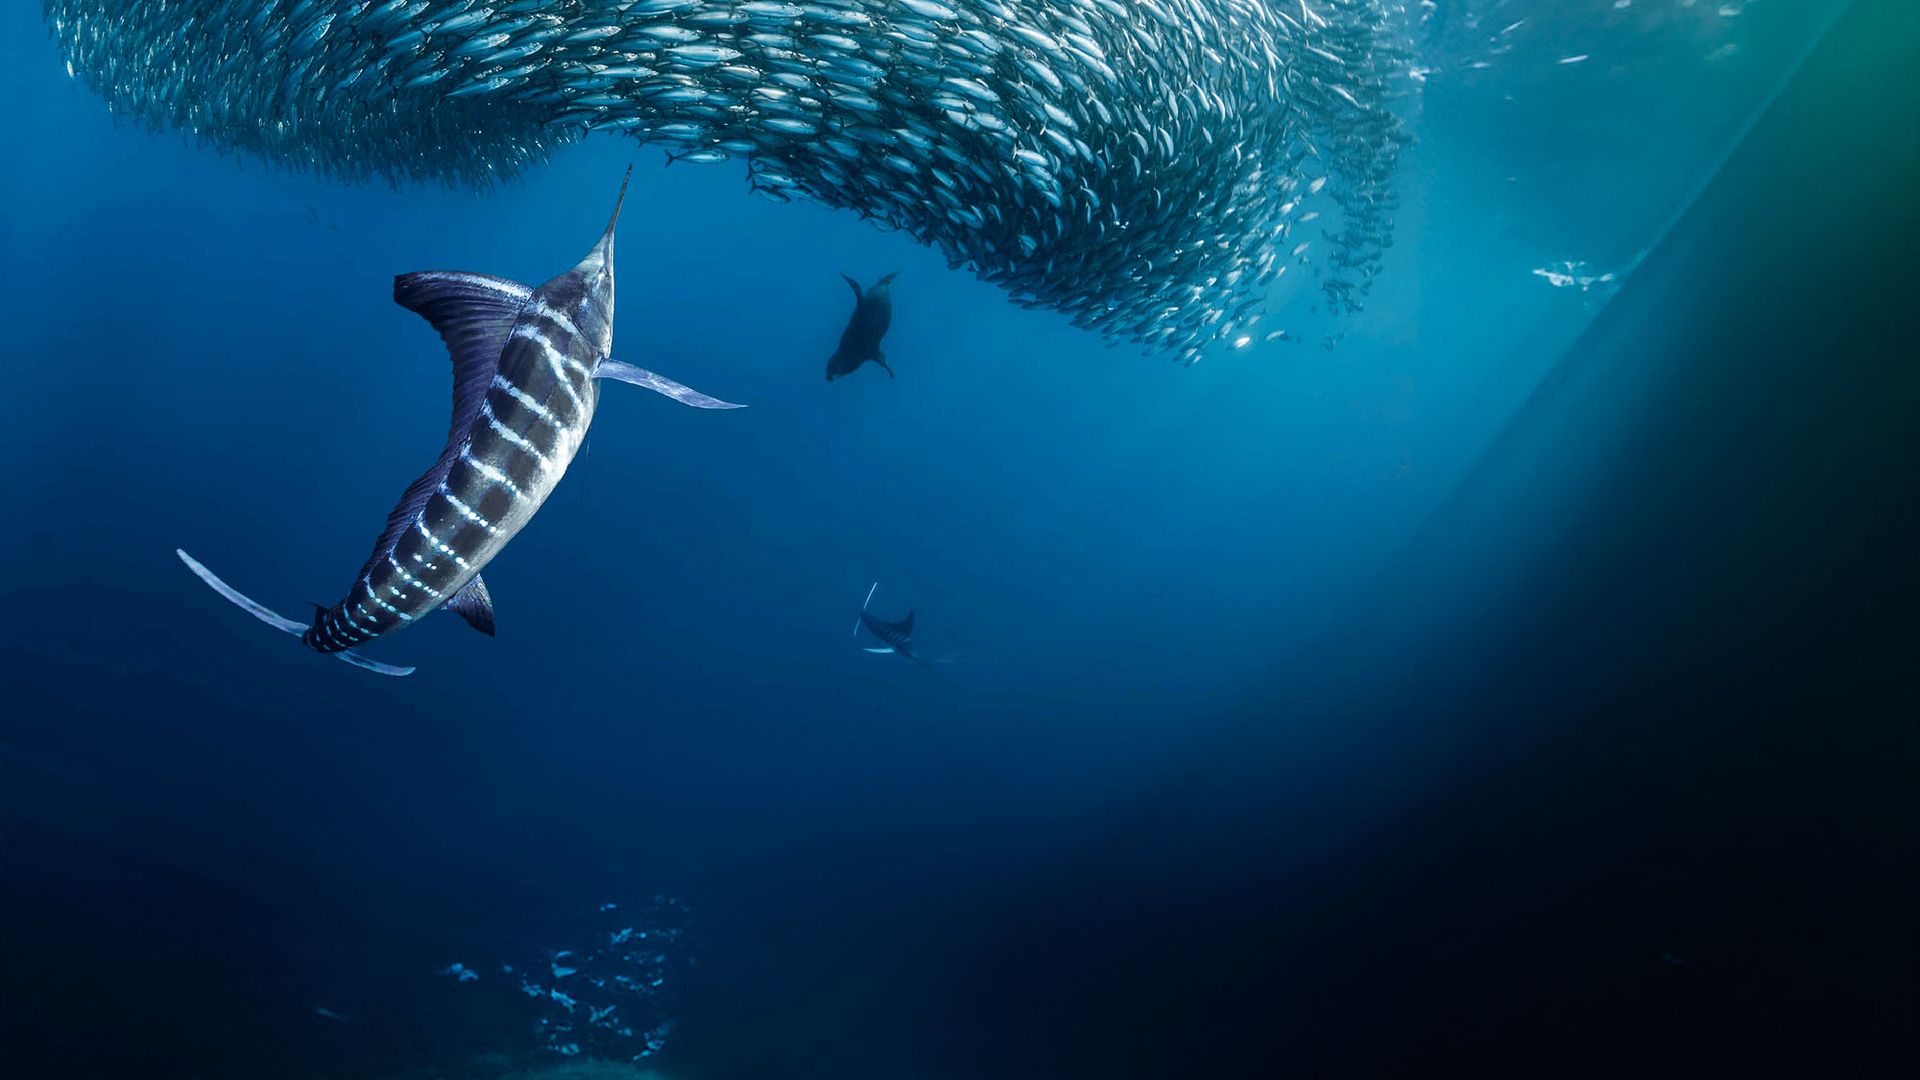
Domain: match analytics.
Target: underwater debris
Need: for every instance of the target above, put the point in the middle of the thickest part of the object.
(1131, 165)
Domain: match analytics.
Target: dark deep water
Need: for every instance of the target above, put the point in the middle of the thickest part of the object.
(1411, 709)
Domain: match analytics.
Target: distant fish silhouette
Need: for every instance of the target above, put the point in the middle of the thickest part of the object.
(860, 341)
(525, 369)
(1678, 961)
(897, 635)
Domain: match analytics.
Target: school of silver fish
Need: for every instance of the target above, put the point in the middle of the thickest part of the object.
(1141, 165)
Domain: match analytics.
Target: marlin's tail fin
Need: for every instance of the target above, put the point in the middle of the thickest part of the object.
(278, 622)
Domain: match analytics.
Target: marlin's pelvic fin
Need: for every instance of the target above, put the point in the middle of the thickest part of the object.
(474, 604)
(278, 622)
(659, 384)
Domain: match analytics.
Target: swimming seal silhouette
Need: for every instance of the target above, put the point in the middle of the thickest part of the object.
(860, 341)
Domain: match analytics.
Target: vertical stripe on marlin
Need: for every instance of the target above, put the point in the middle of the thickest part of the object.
(410, 579)
(382, 604)
(347, 614)
(491, 474)
(420, 525)
(559, 363)
(466, 511)
(540, 309)
(514, 438)
(526, 402)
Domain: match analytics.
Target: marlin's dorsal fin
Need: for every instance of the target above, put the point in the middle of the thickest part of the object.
(474, 604)
(473, 314)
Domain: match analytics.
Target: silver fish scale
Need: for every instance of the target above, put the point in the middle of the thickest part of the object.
(1138, 165)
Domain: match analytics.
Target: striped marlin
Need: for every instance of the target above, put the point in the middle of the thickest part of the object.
(897, 635)
(526, 370)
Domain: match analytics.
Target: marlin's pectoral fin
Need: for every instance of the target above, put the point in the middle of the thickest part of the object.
(881, 359)
(474, 604)
(858, 296)
(881, 649)
(659, 384)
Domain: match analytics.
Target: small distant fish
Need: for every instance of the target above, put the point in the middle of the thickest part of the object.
(1580, 58)
(898, 636)
(1094, 157)
(699, 157)
(1579, 275)
(328, 1014)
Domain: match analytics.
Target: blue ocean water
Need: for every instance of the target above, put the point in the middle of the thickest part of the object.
(1178, 651)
